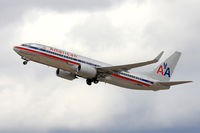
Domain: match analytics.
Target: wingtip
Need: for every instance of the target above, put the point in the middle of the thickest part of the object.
(188, 81)
(159, 56)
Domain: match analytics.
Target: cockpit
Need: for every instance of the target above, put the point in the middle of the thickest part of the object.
(33, 45)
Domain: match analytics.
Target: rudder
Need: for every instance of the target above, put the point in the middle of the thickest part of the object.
(164, 71)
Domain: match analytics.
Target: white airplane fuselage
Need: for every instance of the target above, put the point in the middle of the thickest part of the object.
(71, 63)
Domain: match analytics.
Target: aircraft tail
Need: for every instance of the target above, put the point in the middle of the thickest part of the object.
(164, 71)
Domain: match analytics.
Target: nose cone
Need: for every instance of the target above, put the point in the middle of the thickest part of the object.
(16, 49)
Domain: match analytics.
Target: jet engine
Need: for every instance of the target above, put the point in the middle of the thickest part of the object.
(87, 71)
(74, 68)
(65, 74)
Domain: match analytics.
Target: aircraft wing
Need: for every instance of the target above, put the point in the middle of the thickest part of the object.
(129, 66)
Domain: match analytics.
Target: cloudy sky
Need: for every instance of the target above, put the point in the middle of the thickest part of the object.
(33, 99)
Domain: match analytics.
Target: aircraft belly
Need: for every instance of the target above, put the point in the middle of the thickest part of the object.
(46, 60)
(27, 54)
(54, 62)
(125, 83)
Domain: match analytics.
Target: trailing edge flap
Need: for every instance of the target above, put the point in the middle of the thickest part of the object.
(129, 66)
(171, 83)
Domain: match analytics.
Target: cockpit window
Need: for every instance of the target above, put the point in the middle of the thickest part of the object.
(33, 45)
(24, 45)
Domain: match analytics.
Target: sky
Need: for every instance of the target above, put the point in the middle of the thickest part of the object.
(34, 100)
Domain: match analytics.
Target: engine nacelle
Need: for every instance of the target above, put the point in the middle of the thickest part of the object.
(65, 74)
(87, 71)
(74, 68)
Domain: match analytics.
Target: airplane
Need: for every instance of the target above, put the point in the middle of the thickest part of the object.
(71, 66)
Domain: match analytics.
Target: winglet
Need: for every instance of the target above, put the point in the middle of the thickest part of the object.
(159, 56)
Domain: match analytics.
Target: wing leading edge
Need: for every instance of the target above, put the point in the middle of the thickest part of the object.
(129, 66)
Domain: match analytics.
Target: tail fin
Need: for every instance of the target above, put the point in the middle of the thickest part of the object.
(164, 71)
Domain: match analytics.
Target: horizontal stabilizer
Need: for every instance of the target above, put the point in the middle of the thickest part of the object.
(171, 83)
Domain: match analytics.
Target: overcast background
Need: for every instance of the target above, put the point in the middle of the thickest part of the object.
(33, 99)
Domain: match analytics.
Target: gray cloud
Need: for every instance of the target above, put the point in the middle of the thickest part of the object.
(12, 11)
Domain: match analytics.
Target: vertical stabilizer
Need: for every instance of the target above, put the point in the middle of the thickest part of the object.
(164, 71)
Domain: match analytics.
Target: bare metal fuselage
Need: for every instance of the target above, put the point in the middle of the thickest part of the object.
(40, 55)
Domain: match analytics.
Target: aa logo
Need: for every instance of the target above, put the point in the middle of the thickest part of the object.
(164, 70)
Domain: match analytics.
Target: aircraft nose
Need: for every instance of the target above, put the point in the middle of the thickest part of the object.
(16, 49)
